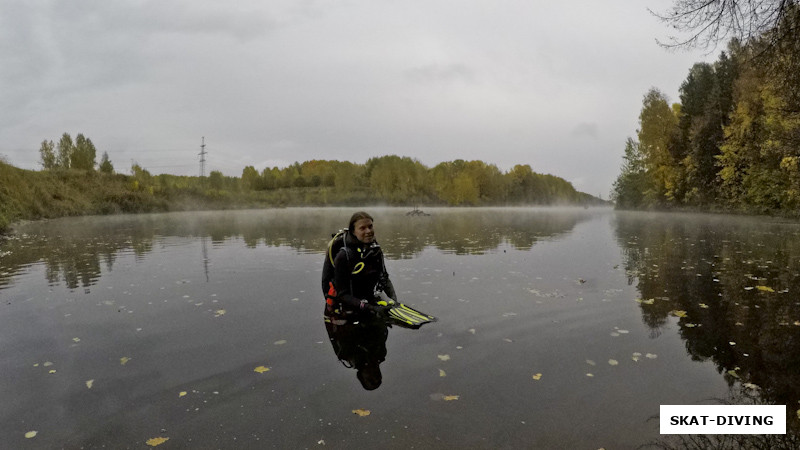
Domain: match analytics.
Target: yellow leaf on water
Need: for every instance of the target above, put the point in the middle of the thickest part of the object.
(444, 357)
(281, 342)
(441, 373)
(678, 313)
(703, 305)
(361, 412)
(765, 289)
(89, 383)
(537, 376)
(53, 371)
(182, 394)
(76, 339)
(219, 312)
(32, 434)
(613, 362)
(798, 413)
(449, 398)
(156, 441)
(261, 369)
(124, 360)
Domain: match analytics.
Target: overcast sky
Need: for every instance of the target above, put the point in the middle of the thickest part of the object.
(556, 85)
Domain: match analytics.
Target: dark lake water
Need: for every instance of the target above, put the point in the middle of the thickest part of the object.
(557, 329)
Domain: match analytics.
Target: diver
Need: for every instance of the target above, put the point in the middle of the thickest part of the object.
(354, 274)
(354, 278)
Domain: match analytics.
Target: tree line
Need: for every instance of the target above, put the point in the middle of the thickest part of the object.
(733, 140)
(390, 179)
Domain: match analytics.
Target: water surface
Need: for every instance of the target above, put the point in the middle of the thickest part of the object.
(558, 329)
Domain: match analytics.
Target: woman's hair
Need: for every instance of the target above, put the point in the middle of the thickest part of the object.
(356, 217)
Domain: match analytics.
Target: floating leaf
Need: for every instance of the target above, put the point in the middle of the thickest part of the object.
(590, 362)
(76, 339)
(690, 325)
(444, 357)
(124, 360)
(678, 313)
(613, 362)
(219, 312)
(472, 330)
(537, 377)
(590, 375)
(89, 383)
(156, 441)
(703, 305)
(281, 342)
(261, 369)
(52, 371)
(765, 289)
(449, 398)
(441, 373)
(651, 356)
(509, 340)
(182, 394)
(31, 434)
(635, 358)
(646, 302)
(361, 412)
(47, 364)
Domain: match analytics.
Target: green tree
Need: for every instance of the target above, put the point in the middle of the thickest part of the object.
(65, 149)
(105, 164)
(657, 128)
(48, 155)
(216, 180)
(630, 185)
(250, 178)
(83, 154)
(396, 179)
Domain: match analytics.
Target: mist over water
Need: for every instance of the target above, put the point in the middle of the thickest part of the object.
(557, 328)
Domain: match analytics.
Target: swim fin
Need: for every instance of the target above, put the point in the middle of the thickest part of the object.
(408, 317)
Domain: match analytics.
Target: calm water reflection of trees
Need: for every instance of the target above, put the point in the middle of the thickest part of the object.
(78, 250)
(731, 284)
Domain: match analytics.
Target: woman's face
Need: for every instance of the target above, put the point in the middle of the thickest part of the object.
(364, 231)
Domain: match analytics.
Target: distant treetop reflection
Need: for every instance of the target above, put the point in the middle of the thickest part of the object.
(731, 285)
(75, 250)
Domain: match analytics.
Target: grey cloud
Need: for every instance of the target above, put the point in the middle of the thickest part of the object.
(436, 73)
(585, 129)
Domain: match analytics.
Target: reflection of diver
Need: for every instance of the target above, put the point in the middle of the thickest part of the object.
(360, 345)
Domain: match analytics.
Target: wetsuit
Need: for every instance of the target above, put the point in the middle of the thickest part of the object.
(358, 269)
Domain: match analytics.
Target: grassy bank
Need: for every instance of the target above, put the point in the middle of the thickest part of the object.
(33, 195)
